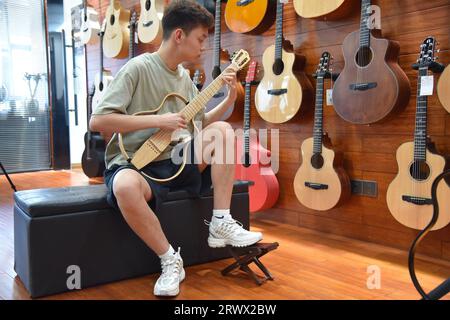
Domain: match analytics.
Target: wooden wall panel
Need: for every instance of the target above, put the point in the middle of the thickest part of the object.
(369, 150)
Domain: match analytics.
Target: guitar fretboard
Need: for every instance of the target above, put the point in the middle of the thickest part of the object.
(279, 31)
(246, 126)
(420, 133)
(318, 116)
(364, 40)
(217, 28)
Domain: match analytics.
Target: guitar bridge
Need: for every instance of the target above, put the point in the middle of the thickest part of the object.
(316, 186)
(417, 200)
(277, 92)
(363, 86)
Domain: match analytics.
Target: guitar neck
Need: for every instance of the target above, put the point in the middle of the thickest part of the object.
(318, 117)
(279, 31)
(199, 102)
(246, 126)
(131, 44)
(101, 55)
(420, 132)
(364, 36)
(217, 30)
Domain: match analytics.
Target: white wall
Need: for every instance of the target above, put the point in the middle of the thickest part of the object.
(76, 132)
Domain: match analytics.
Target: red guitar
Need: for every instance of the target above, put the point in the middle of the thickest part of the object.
(265, 189)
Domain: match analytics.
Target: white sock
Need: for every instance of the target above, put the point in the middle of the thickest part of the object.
(169, 254)
(221, 214)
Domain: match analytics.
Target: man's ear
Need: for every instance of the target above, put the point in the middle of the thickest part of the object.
(178, 34)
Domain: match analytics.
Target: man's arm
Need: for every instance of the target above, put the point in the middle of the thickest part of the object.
(123, 123)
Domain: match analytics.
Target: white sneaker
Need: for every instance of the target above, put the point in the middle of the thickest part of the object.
(168, 283)
(230, 232)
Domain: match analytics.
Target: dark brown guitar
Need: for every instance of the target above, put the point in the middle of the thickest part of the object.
(372, 84)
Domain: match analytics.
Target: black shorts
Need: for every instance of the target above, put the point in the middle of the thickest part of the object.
(191, 179)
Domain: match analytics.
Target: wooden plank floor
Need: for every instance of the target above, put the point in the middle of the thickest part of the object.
(307, 265)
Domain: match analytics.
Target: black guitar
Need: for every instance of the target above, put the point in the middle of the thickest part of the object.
(93, 158)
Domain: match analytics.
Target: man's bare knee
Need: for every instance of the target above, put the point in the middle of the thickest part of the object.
(129, 184)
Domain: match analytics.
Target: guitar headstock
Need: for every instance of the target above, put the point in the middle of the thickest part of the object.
(427, 52)
(323, 69)
(240, 59)
(251, 72)
(133, 19)
(196, 77)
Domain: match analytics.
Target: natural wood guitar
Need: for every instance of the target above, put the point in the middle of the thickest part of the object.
(265, 189)
(372, 84)
(409, 194)
(150, 25)
(249, 16)
(115, 43)
(284, 89)
(443, 88)
(159, 141)
(321, 182)
(90, 26)
(323, 9)
(214, 67)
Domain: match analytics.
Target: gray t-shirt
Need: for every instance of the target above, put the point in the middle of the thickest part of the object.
(141, 85)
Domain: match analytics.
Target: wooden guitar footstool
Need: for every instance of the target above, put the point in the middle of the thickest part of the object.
(245, 256)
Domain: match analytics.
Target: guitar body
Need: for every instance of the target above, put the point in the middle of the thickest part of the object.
(249, 16)
(413, 215)
(116, 38)
(281, 108)
(94, 165)
(149, 27)
(392, 90)
(331, 174)
(320, 9)
(443, 88)
(90, 26)
(101, 86)
(264, 192)
(234, 113)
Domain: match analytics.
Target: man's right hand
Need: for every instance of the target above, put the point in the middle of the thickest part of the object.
(172, 121)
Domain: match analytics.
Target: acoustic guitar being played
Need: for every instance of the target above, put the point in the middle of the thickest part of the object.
(284, 89)
(116, 38)
(249, 16)
(409, 194)
(321, 182)
(264, 189)
(372, 85)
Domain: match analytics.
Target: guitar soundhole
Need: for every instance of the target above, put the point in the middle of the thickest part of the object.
(100, 86)
(112, 20)
(148, 4)
(317, 161)
(216, 72)
(420, 170)
(278, 67)
(364, 56)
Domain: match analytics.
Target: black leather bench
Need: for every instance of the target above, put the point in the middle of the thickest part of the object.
(74, 226)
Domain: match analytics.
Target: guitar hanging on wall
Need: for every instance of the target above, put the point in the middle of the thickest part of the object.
(372, 84)
(90, 26)
(220, 57)
(103, 78)
(284, 89)
(249, 16)
(323, 9)
(149, 27)
(409, 194)
(264, 191)
(321, 182)
(443, 88)
(93, 158)
(115, 42)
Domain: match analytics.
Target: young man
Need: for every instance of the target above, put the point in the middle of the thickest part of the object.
(141, 85)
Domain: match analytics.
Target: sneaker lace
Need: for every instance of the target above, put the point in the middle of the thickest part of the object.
(171, 267)
(228, 226)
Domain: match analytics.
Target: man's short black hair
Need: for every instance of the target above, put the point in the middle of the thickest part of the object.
(186, 15)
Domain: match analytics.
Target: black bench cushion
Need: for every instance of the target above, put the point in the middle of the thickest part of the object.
(55, 201)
